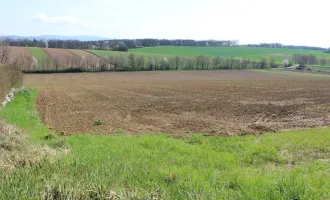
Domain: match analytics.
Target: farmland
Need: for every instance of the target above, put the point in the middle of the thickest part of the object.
(17, 52)
(211, 102)
(241, 52)
(253, 53)
(38, 53)
(192, 159)
(193, 134)
(164, 58)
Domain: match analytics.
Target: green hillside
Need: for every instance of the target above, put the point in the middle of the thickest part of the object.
(253, 53)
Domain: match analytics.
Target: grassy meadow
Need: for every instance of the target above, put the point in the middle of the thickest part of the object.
(253, 53)
(287, 165)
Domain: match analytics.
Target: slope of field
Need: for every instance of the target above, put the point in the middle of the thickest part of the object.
(213, 102)
(242, 52)
(89, 57)
(253, 53)
(289, 165)
(62, 57)
(104, 53)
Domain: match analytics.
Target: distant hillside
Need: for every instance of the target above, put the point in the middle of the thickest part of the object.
(57, 37)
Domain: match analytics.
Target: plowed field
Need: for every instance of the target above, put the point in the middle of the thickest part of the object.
(212, 102)
(18, 52)
(90, 59)
(62, 57)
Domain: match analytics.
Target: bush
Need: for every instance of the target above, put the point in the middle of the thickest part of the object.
(10, 77)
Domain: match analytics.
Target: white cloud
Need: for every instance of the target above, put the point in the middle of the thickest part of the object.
(41, 17)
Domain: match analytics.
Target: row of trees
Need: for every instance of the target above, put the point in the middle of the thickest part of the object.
(328, 50)
(303, 60)
(10, 75)
(279, 45)
(132, 62)
(118, 45)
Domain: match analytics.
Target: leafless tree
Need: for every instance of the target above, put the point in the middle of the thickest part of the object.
(5, 51)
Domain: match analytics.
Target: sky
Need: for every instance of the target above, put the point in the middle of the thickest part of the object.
(297, 22)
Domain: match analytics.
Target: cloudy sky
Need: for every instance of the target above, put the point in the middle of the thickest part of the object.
(299, 22)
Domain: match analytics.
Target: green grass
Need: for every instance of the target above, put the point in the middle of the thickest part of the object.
(253, 53)
(241, 52)
(288, 165)
(38, 53)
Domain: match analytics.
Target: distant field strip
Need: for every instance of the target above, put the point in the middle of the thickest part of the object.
(254, 53)
(38, 53)
(104, 53)
(295, 73)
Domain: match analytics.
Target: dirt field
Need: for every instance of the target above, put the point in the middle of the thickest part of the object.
(213, 102)
(90, 59)
(82, 53)
(17, 52)
(62, 57)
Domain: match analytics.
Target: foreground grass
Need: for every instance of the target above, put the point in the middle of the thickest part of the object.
(289, 165)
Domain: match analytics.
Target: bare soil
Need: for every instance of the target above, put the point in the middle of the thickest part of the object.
(210, 102)
(62, 57)
(17, 52)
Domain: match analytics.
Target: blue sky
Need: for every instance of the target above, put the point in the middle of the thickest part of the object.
(249, 21)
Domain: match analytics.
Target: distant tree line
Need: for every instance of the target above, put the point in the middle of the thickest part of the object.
(303, 60)
(278, 45)
(119, 45)
(328, 50)
(124, 45)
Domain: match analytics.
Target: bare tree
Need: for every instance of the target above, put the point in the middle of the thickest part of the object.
(5, 51)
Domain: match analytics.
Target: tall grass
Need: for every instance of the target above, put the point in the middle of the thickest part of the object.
(288, 165)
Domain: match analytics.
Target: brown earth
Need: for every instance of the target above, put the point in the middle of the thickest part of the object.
(212, 102)
(90, 59)
(17, 52)
(82, 53)
(62, 57)
(66, 58)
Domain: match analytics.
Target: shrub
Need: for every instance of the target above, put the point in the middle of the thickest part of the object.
(10, 77)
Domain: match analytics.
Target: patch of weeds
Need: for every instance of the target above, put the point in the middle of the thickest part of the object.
(196, 139)
(98, 123)
(50, 137)
(171, 178)
(59, 144)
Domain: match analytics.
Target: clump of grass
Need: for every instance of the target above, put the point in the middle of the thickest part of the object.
(16, 149)
(98, 123)
(171, 178)
(50, 136)
(196, 139)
